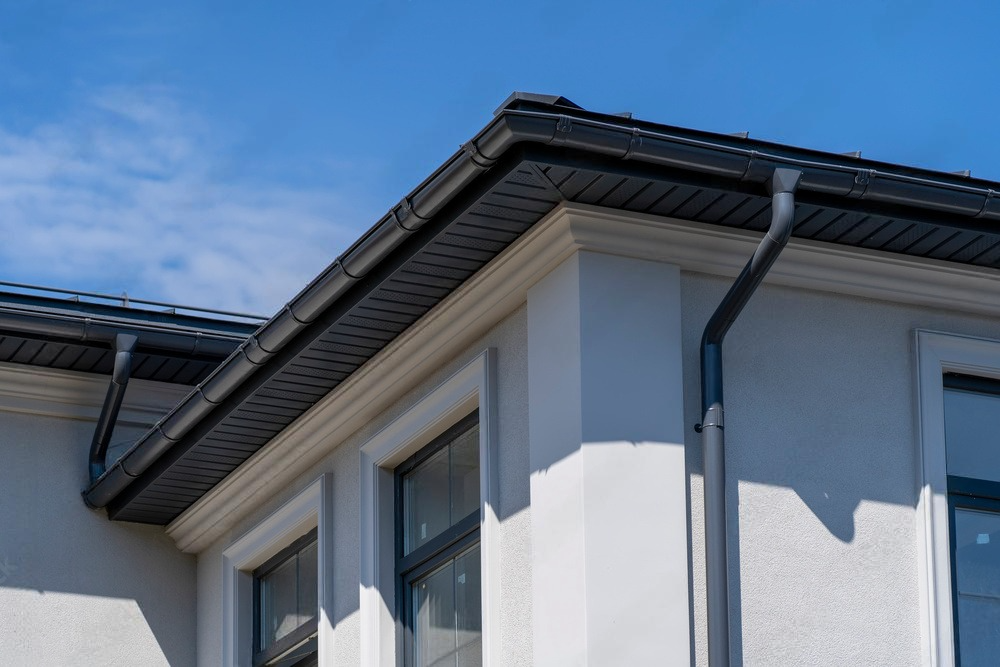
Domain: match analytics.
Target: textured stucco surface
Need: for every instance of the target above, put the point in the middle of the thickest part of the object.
(509, 337)
(75, 588)
(821, 456)
(821, 459)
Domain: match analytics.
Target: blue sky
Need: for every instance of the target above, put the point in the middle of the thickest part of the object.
(223, 153)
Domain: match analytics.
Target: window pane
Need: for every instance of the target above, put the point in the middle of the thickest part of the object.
(468, 609)
(465, 474)
(977, 566)
(447, 612)
(441, 491)
(979, 631)
(278, 604)
(425, 494)
(972, 434)
(434, 614)
(308, 573)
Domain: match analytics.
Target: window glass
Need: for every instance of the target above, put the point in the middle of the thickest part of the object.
(426, 499)
(977, 568)
(972, 434)
(468, 609)
(442, 490)
(465, 474)
(287, 597)
(438, 555)
(308, 604)
(278, 603)
(448, 614)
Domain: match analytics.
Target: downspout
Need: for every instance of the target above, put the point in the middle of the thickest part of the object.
(782, 190)
(124, 347)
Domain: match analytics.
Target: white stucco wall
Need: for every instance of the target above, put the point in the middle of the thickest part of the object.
(509, 338)
(75, 588)
(821, 459)
(821, 456)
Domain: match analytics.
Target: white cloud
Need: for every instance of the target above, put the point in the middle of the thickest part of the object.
(126, 195)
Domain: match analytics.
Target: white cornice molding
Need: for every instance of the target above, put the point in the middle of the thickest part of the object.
(73, 395)
(502, 285)
(449, 327)
(803, 263)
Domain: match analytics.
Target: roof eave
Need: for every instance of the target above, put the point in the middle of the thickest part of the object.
(555, 125)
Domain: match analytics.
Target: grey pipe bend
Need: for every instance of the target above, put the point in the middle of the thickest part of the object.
(124, 348)
(782, 189)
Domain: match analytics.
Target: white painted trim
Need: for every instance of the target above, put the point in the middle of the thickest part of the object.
(312, 508)
(471, 387)
(435, 339)
(75, 395)
(803, 263)
(938, 353)
(502, 286)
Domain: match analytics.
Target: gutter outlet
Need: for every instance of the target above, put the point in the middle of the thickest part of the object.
(124, 348)
(782, 187)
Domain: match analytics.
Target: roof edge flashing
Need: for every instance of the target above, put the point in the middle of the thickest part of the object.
(518, 99)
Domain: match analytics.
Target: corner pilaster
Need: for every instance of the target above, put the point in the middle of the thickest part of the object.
(608, 502)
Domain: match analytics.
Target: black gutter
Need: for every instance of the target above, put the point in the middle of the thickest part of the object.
(124, 347)
(89, 329)
(782, 189)
(550, 122)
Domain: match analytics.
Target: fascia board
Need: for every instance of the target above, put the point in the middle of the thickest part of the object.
(578, 130)
(502, 286)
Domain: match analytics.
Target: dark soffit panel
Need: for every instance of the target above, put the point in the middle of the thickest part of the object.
(493, 210)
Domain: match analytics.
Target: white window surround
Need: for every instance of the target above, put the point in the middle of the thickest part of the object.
(470, 388)
(311, 508)
(939, 353)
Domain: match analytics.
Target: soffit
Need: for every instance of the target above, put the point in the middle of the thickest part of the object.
(500, 206)
(30, 329)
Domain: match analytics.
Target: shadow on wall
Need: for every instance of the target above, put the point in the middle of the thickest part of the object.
(50, 542)
(819, 401)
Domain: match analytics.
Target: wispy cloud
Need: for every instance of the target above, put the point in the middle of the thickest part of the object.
(130, 193)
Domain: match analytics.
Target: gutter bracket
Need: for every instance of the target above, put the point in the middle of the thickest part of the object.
(472, 150)
(990, 195)
(861, 181)
(403, 211)
(564, 125)
(124, 349)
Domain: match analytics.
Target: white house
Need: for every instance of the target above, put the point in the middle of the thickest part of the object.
(483, 434)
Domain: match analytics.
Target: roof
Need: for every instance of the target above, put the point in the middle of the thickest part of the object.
(72, 334)
(535, 153)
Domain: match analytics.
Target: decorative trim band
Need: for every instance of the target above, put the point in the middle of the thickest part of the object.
(73, 395)
(501, 286)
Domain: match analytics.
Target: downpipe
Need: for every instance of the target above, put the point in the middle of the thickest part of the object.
(124, 348)
(781, 187)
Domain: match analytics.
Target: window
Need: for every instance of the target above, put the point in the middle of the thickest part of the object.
(437, 550)
(277, 589)
(416, 435)
(285, 606)
(972, 444)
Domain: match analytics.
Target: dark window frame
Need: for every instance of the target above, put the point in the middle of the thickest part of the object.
(452, 542)
(299, 635)
(967, 493)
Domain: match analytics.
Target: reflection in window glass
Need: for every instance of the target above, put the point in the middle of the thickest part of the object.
(977, 570)
(972, 434)
(279, 603)
(442, 490)
(438, 555)
(448, 614)
(287, 594)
